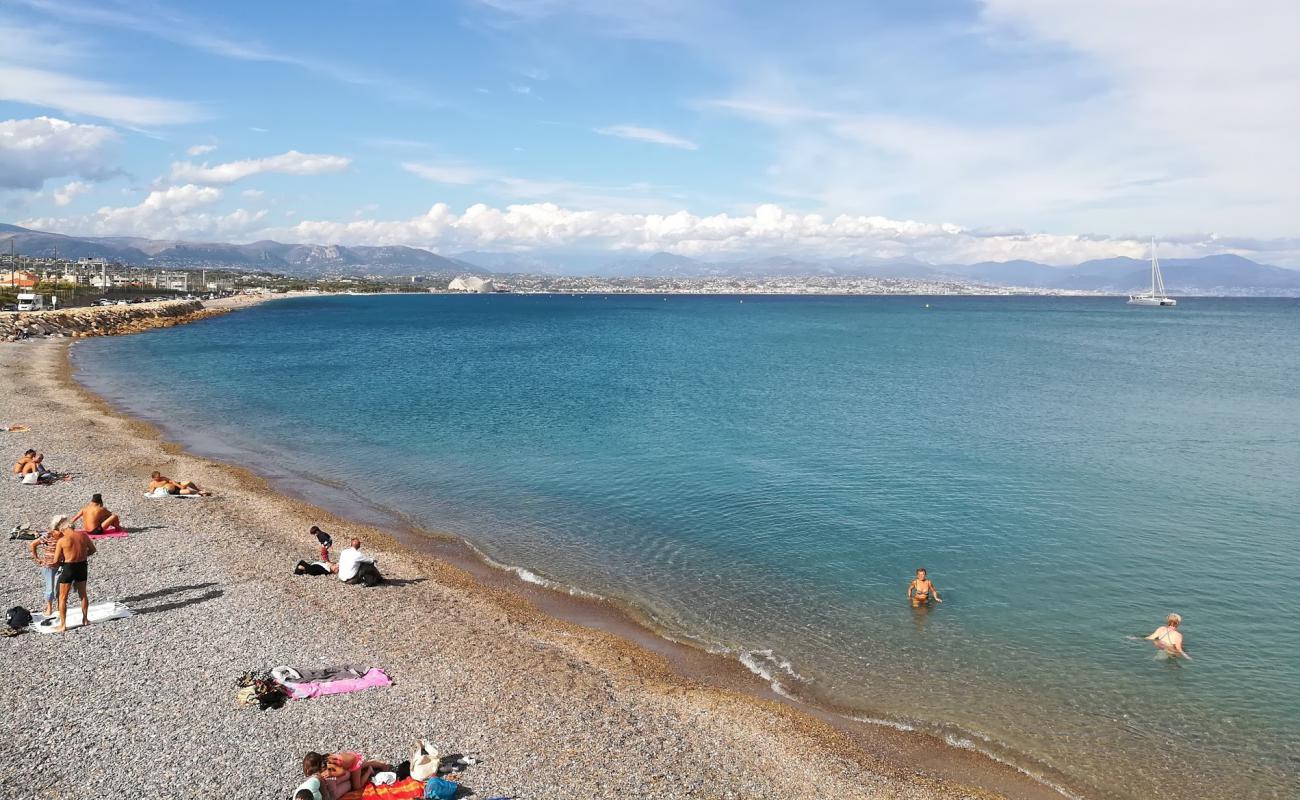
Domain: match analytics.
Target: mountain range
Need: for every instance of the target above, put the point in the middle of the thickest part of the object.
(1215, 274)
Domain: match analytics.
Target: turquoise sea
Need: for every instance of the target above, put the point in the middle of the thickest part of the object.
(762, 476)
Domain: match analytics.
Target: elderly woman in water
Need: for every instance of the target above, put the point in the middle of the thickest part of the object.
(1169, 639)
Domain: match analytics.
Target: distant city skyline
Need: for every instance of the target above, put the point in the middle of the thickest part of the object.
(952, 132)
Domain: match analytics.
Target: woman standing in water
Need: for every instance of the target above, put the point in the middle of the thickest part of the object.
(1168, 638)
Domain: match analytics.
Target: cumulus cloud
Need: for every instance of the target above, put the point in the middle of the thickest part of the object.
(290, 163)
(200, 149)
(34, 150)
(651, 135)
(769, 229)
(176, 212)
(68, 192)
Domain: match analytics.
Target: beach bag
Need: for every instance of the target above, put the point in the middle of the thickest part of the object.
(18, 618)
(424, 761)
(440, 789)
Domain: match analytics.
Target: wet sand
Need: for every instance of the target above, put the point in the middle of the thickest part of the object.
(561, 696)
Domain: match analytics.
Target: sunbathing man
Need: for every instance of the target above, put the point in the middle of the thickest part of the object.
(920, 590)
(159, 481)
(95, 518)
(33, 471)
(70, 554)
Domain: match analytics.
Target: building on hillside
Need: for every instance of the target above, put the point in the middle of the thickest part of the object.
(220, 285)
(471, 284)
(92, 263)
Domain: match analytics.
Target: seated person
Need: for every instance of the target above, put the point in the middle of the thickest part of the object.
(341, 773)
(27, 456)
(159, 481)
(94, 517)
(33, 470)
(313, 568)
(356, 568)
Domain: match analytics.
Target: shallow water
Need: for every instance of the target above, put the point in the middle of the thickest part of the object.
(765, 476)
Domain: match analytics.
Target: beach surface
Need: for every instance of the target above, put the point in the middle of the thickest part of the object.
(145, 706)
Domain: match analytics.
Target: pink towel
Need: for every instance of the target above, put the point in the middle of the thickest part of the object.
(373, 678)
(109, 533)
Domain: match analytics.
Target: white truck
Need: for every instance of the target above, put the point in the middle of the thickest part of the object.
(30, 301)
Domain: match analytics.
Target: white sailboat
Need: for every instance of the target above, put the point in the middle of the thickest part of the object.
(1157, 296)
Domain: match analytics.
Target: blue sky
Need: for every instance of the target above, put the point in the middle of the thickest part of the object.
(949, 131)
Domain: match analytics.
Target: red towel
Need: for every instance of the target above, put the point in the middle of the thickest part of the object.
(408, 789)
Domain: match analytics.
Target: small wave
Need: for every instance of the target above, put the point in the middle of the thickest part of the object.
(888, 723)
(528, 576)
(964, 743)
(770, 667)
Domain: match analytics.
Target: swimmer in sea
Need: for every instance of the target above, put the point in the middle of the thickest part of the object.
(920, 590)
(1169, 639)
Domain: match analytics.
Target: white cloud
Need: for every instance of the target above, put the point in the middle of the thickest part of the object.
(200, 149)
(177, 212)
(72, 95)
(768, 230)
(652, 135)
(33, 150)
(65, 195)
(290, 163)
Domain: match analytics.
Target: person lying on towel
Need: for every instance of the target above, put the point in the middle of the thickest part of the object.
(356, 568)
(158, 481)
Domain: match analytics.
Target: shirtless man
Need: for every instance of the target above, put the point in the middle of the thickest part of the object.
(95, 518)
(1168, 638)
(159, 481)
(920, 590)
(70, 555)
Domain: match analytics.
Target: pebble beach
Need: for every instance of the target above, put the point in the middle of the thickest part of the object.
(145, 706)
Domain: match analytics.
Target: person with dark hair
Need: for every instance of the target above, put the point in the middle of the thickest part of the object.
(94, 517)
(27, 456)
(326, 542)
(920, 590)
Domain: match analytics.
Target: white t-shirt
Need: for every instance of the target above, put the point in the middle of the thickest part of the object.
(348, 561)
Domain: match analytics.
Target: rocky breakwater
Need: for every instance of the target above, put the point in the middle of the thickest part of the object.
(102, 320)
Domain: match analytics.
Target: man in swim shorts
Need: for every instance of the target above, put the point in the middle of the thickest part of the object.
(70, 555)
(159, 481)
(920, 590)
(95, 518)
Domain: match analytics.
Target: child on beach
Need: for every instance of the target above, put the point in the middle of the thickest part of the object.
(326, 541)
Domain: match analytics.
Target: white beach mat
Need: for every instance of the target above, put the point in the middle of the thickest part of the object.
(99, 612)
(165, 494)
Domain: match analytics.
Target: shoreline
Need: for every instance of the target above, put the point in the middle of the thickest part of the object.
(598, 632)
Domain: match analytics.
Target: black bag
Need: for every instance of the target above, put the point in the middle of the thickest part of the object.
(18, 618)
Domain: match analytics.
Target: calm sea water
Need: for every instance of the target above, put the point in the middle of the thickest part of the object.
(764, 476)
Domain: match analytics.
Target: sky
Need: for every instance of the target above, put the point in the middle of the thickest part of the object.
(1052, 130)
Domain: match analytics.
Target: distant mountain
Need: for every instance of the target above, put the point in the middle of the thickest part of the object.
(1220, 274)
(266, 255)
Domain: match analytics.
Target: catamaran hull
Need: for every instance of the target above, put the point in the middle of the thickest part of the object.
(1152, 301)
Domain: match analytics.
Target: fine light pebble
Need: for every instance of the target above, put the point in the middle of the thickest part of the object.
(144, 707)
